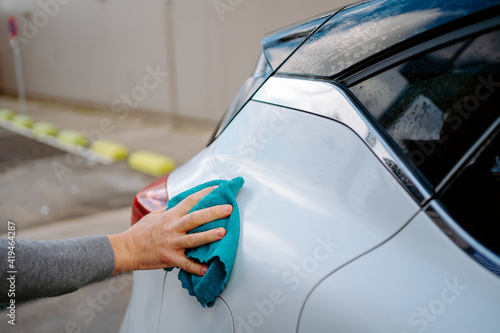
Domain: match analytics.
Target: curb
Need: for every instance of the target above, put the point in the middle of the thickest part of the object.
(113, 150)
(6, 114)
(151, 163)
(74, 142)
(45, 128)
(22, 120)
(72, 137)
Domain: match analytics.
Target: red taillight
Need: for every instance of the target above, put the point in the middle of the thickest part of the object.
(149, 199)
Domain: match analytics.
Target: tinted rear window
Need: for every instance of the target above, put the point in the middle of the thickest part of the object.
(437, 105)
(474, 198)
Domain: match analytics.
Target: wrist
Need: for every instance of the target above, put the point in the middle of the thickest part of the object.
(121, 252)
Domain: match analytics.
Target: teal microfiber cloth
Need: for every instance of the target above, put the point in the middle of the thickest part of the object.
(218, 256)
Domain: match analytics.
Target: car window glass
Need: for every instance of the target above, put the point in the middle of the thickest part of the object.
(435, 106)
(473, 199)
(363, 29)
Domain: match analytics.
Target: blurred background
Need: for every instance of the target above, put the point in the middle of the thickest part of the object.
(89, 53)
(151, 75)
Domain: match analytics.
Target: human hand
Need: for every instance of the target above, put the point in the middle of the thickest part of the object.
(159, 239)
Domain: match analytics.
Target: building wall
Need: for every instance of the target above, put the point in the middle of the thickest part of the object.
(172, 57)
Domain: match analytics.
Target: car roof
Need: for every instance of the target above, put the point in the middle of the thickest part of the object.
(331, 43)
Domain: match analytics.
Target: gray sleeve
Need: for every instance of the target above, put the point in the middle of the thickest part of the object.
(52, 268)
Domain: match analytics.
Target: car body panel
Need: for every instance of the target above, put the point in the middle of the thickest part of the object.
(428, 284)
(472, 247)
(334, 229)
(182, 313)
(145, 302)
(328, 100)
(366, 28)
(159, 303)
(314, 192)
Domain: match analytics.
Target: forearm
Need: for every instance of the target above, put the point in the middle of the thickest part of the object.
(159, 240)
(51, 268)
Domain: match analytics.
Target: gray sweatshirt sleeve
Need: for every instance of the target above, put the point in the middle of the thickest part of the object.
(56, 267)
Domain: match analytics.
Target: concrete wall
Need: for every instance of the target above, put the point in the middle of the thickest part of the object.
(115, 54)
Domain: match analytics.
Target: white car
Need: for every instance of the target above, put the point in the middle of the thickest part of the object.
(369, 142)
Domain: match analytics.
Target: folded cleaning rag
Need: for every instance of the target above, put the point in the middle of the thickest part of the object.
(219, 255)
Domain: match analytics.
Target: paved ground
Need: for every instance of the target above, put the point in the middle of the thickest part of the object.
(40, 184)
(93, 308)
(75, 312)
(89, 199)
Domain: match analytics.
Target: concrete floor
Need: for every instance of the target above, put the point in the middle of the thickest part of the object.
(72, 312)
(91, 199)
(41, 184)
(41, 188)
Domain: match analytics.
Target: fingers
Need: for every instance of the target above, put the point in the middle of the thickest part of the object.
(200, 238)
(183, 222)
(191, 266)
(195, 240)
(202, 216)
(187, 204)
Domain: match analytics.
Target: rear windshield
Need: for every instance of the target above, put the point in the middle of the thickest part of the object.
(361, 30)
